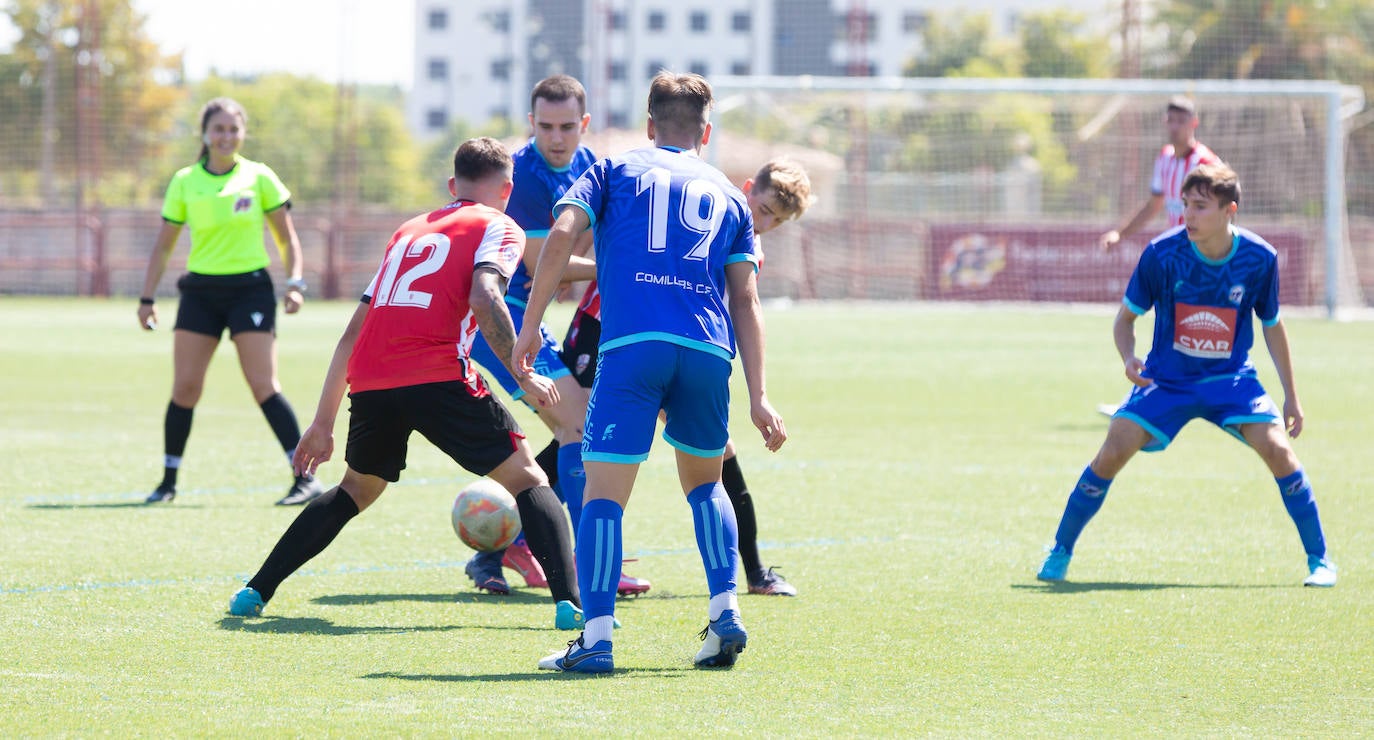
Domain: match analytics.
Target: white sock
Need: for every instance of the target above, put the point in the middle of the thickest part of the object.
(597, 629)
(722, 601)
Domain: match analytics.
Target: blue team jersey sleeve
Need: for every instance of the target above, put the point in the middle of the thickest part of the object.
(1145, 287)
(588, 192)
(745, 247)
(1267, 304)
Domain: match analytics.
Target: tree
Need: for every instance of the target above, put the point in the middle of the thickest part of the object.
(1058, 43)
(93, 67)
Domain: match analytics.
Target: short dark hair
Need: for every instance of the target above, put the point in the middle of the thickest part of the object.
(558, 88)
(1182, 103)
(679, 103)
(1215, 180)
(480, 158)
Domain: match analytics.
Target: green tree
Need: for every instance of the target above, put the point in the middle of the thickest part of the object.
(105, 42)
(1059, 43)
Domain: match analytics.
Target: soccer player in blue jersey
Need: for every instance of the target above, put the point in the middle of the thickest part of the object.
(1205, 281)
(674, 245)
(544, 169)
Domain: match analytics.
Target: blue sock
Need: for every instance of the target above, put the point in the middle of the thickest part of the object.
(572, 479)
(1302, 507)
(717, 535)
(600, 555)
(1083, 503)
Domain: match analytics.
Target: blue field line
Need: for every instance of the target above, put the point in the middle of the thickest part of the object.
(419, 565)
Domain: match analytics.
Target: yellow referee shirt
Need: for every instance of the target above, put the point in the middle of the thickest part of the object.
(225, 213)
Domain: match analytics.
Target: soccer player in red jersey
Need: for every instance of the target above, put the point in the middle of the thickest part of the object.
(404, 359)
(1176, 159)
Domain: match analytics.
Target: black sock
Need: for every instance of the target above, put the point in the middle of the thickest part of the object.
(315, 527)
(548, 462)
(546, 532)
(176, 429)
(283, 421)
(743, 504)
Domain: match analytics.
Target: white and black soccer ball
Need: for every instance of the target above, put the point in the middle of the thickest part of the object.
(485, 516)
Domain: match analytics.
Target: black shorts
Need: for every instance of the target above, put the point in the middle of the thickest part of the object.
(580, 348)
(210, 303)
(478, 433)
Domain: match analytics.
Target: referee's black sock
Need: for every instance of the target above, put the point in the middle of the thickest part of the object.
(733, 479)
(315, 527)
(176, 429)
(546, 532)
(548, 462)
(282, 419)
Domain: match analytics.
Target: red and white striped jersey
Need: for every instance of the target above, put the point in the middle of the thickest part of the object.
(419, 327)
(1171, 169)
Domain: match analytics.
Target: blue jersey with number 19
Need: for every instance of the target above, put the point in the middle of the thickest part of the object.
(666, 224)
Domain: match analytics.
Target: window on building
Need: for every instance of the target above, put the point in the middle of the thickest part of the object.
(698, 68)
(653, 68)
(615, 71)
(619, 119)
(742, 22)
(616, 20)
(436, 119)
(915, 22)
(500, 21)
(499, 113)
(739, 68)
(657, 20)
(438, 19)
(500, 69)
(438, 69)
(859, 28)
(700, 21)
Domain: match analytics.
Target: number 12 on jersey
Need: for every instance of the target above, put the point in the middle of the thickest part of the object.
(394, 292)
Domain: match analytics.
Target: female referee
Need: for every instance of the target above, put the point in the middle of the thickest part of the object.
(225, 198)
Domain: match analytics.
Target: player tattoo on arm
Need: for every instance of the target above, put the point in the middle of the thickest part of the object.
(493, 318)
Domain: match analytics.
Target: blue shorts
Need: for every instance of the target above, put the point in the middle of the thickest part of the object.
(547, 363)
(634, 381)
(1227, 402)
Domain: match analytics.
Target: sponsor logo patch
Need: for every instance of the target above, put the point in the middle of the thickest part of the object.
(244, 203)
(1207, 332)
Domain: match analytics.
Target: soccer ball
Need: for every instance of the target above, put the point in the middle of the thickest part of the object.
(485, 516)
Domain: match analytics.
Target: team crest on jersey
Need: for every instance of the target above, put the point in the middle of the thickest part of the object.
(1207, 332)
(244, 203)
(1236, 295)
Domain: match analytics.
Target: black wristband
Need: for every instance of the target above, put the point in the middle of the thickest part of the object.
(145, 301)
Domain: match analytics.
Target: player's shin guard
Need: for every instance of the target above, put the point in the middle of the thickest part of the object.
(717, 536)
(1302, 507)
(574, 478)
(314, 528)
(600, 555)
(1083, 503)
(733, 480)
(282, 419)
(547, 535)
(176, 429)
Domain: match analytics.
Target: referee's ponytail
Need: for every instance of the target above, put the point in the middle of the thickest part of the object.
(218, 105)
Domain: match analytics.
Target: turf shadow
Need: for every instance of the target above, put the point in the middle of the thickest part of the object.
(317, 626)
(533, 676)
(110, 505)
(447, 597)
(1074, 587)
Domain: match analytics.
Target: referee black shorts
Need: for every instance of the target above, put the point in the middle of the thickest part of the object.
(477, 432)
(212, 303)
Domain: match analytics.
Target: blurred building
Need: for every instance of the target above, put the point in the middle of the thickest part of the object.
(477, 59)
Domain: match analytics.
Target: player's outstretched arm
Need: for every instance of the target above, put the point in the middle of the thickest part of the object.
(553, 259)
(488, 304)
(317, 441)
(1276, 338)
(1123, 333)
(747, 317)
(1139, 221)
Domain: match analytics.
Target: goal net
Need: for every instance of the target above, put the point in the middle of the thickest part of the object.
(998, 189)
